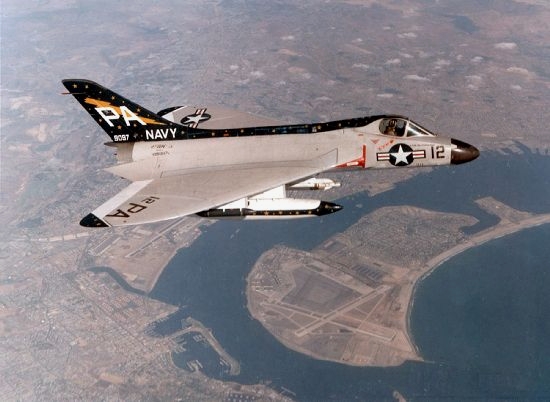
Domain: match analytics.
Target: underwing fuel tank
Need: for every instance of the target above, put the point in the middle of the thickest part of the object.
(284, 208)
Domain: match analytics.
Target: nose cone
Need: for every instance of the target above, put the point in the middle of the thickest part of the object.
(462, 152)
(326, 208)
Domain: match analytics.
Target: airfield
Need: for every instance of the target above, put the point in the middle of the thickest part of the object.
(349, 299)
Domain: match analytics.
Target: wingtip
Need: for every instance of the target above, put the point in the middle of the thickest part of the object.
(92, 221)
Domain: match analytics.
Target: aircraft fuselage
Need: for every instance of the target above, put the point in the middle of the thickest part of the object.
(359, 147)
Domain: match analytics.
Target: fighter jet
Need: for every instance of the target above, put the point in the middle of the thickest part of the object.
(220, 163)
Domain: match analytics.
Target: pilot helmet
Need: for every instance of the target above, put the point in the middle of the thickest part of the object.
(392, 123)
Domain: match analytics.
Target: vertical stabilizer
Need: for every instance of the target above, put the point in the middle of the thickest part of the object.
(122, 119)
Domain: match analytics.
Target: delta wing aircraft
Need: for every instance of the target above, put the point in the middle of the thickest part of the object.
(221, 163)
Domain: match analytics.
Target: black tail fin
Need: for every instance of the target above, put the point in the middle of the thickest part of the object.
(122, 119)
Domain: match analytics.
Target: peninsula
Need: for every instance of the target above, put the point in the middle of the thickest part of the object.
(349, 300)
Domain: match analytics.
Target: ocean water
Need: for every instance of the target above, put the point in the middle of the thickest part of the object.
(488, 311)
(460, 318)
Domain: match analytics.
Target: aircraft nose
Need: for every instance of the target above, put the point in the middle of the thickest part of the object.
(462, 152)
(325, 208)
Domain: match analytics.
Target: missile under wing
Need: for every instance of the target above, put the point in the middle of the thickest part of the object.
(221, 163)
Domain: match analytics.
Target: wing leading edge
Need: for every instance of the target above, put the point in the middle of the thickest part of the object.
(190, 192)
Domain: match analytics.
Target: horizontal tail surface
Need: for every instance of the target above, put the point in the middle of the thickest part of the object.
(122, 119)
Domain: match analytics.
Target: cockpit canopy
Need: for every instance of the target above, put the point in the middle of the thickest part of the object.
(402, 127)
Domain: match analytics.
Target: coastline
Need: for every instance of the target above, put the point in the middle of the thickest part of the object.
(281, 284)
(493, 233)
(391, 323)
(407, 294)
